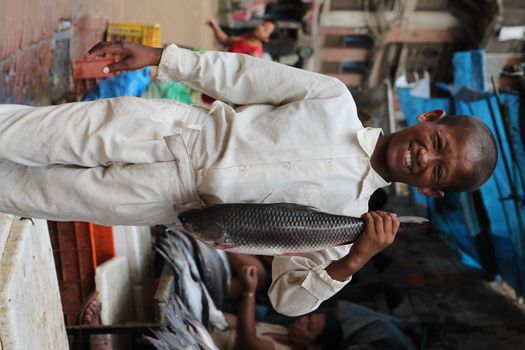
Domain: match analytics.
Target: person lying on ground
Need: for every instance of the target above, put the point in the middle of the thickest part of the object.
(315, 331)
(293, 137)
(249, 44)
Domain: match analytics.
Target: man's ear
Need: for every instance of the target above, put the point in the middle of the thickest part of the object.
(433, 192)
(431, 116)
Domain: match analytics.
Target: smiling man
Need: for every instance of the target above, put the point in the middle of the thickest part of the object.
(292, 136)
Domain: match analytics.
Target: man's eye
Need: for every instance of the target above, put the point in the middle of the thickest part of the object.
(437, 172)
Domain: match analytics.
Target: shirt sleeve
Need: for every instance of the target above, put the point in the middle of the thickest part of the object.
(300, 283)
(243, 79)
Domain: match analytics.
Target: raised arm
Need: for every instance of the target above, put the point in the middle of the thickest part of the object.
(301, 283)
(243, 79)
(246, 333)
(220, 35)
(229, 77)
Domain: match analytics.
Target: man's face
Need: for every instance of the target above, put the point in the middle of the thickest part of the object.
(431, 155)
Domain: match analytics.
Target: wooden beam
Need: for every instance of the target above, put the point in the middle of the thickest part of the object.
(336, 54)
(358, 19)
(349, 79)
(513, 16)
(419, 36)
(342, 31)
(327, 6)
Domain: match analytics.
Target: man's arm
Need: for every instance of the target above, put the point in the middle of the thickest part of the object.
(301, 283)
(246, 334)
(236, 78)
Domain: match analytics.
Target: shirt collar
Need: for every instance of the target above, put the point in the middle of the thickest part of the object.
(367, 138)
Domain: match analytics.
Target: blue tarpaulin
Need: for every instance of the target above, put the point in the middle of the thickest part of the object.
(132, 83)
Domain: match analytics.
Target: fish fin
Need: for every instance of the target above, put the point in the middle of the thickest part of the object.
(295, 206)
(265, 198)
(347, 242)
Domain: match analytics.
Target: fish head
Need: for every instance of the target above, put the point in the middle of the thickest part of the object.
(201, 225)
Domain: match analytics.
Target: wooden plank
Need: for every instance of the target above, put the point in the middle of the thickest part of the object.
(123, 328)
(349, 79)
(513, 16)
(419, 36)
(327, 6)
(336, 54)
(512, 4)
(342, 31)
(359, 19)
(374, 76)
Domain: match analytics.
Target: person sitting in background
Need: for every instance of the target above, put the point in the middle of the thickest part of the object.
(237, 262)
(314, 331)
(249, 44)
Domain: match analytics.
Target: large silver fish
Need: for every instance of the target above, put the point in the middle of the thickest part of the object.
(272, 229)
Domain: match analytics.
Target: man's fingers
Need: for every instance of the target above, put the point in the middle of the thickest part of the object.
(117, 66)
(369, 221)
(95, 48)
(395, 222)
(387, 221)
(378, 223)
(106, 47)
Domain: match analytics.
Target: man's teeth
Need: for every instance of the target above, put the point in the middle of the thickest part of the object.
(408, 158)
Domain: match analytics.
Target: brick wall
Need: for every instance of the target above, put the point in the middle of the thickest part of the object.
(27, 34)
(33, 67)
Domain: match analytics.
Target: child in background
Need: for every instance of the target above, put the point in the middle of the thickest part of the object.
(249, 44)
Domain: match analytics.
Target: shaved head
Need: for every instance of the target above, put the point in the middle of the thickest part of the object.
(482, 151)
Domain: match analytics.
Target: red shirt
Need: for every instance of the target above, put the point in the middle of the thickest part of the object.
(243, 46)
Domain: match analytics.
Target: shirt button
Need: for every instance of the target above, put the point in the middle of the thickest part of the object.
(329, 162)
(286, 166)
(242, 169)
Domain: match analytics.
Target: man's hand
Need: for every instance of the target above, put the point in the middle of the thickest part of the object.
(380, 231)
(249, 278)
(128, 55)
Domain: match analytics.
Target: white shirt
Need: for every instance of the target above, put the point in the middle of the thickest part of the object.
(294, 137)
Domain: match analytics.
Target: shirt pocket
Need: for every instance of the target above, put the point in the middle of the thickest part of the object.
(300, 192)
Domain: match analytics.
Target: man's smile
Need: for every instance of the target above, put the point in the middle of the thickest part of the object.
(407, 159)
